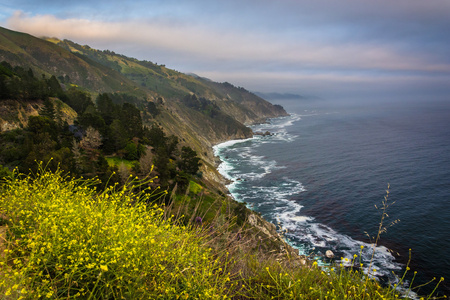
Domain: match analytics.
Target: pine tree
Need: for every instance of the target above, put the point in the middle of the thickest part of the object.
(48, 110)
(190, 162)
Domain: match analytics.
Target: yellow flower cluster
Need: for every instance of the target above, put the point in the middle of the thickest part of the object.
(68, 241)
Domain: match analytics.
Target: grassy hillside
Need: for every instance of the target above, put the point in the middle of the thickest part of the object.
(43, 57)
(244, 106)
(165, 82)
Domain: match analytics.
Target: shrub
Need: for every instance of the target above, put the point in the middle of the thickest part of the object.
(65, 240)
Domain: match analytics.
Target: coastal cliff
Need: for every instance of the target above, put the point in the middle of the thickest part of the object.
(199, 112)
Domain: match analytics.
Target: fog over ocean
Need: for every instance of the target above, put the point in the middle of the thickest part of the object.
(326, 166)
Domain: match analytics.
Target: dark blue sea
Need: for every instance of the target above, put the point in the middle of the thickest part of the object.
(325, 168)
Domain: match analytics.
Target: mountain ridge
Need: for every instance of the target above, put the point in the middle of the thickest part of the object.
(199, 111)
(169, 83)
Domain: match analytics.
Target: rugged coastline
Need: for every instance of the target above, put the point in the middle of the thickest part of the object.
(264, 230)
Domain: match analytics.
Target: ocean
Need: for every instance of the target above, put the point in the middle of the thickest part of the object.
(323, 173)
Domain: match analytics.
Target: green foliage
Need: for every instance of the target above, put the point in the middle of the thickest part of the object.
(40, 125)
(194, 187)
(131, 151)
(48, 110)
(91, 118)
(116, 161)
(106, 108)
(131, 120)
(12, 145)
(270, 279)
(201, 104)
(4, 172)
(107, 128)
(17, 83)
(117, 138)
(190, 162)
(77, 99)
(121, 98)
(6, 69)
(54, 87)
(152, 109)
(157, 137)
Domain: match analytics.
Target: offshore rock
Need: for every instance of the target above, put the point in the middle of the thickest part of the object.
(329, 254)
(263, 134)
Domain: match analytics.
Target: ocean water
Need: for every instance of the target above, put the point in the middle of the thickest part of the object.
(325, 168)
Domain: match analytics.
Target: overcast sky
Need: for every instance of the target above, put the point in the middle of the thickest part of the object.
(325, 48)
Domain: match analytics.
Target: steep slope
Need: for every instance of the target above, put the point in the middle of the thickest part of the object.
(244, 106)
(15, 114)
(43, 57)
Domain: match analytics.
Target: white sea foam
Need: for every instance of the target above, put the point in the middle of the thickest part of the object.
(225, 168)
(279, 123)
(300, 219)
(229, 144)
(321, 236)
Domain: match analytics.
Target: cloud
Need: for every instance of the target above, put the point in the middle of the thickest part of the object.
(315, 45)
(195, 42)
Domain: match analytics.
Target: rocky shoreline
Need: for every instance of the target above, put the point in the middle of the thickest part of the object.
(264, 230)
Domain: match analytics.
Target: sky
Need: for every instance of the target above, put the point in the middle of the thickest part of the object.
(325, 48)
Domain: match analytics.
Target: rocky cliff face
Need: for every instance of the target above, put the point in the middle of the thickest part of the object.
(15, 113)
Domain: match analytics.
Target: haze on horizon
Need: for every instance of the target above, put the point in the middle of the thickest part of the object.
(330, 49)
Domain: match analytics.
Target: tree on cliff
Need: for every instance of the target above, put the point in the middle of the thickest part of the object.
(48, 110)
(190, 162)
(91, 140)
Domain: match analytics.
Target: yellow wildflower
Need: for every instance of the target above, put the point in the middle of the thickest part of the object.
(104, 268)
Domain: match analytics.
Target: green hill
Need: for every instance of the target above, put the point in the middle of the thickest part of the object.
(244, 106)
(43, 57)
(222, 115)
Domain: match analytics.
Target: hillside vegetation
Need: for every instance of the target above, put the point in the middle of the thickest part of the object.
(242, 105)
(163, 96)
